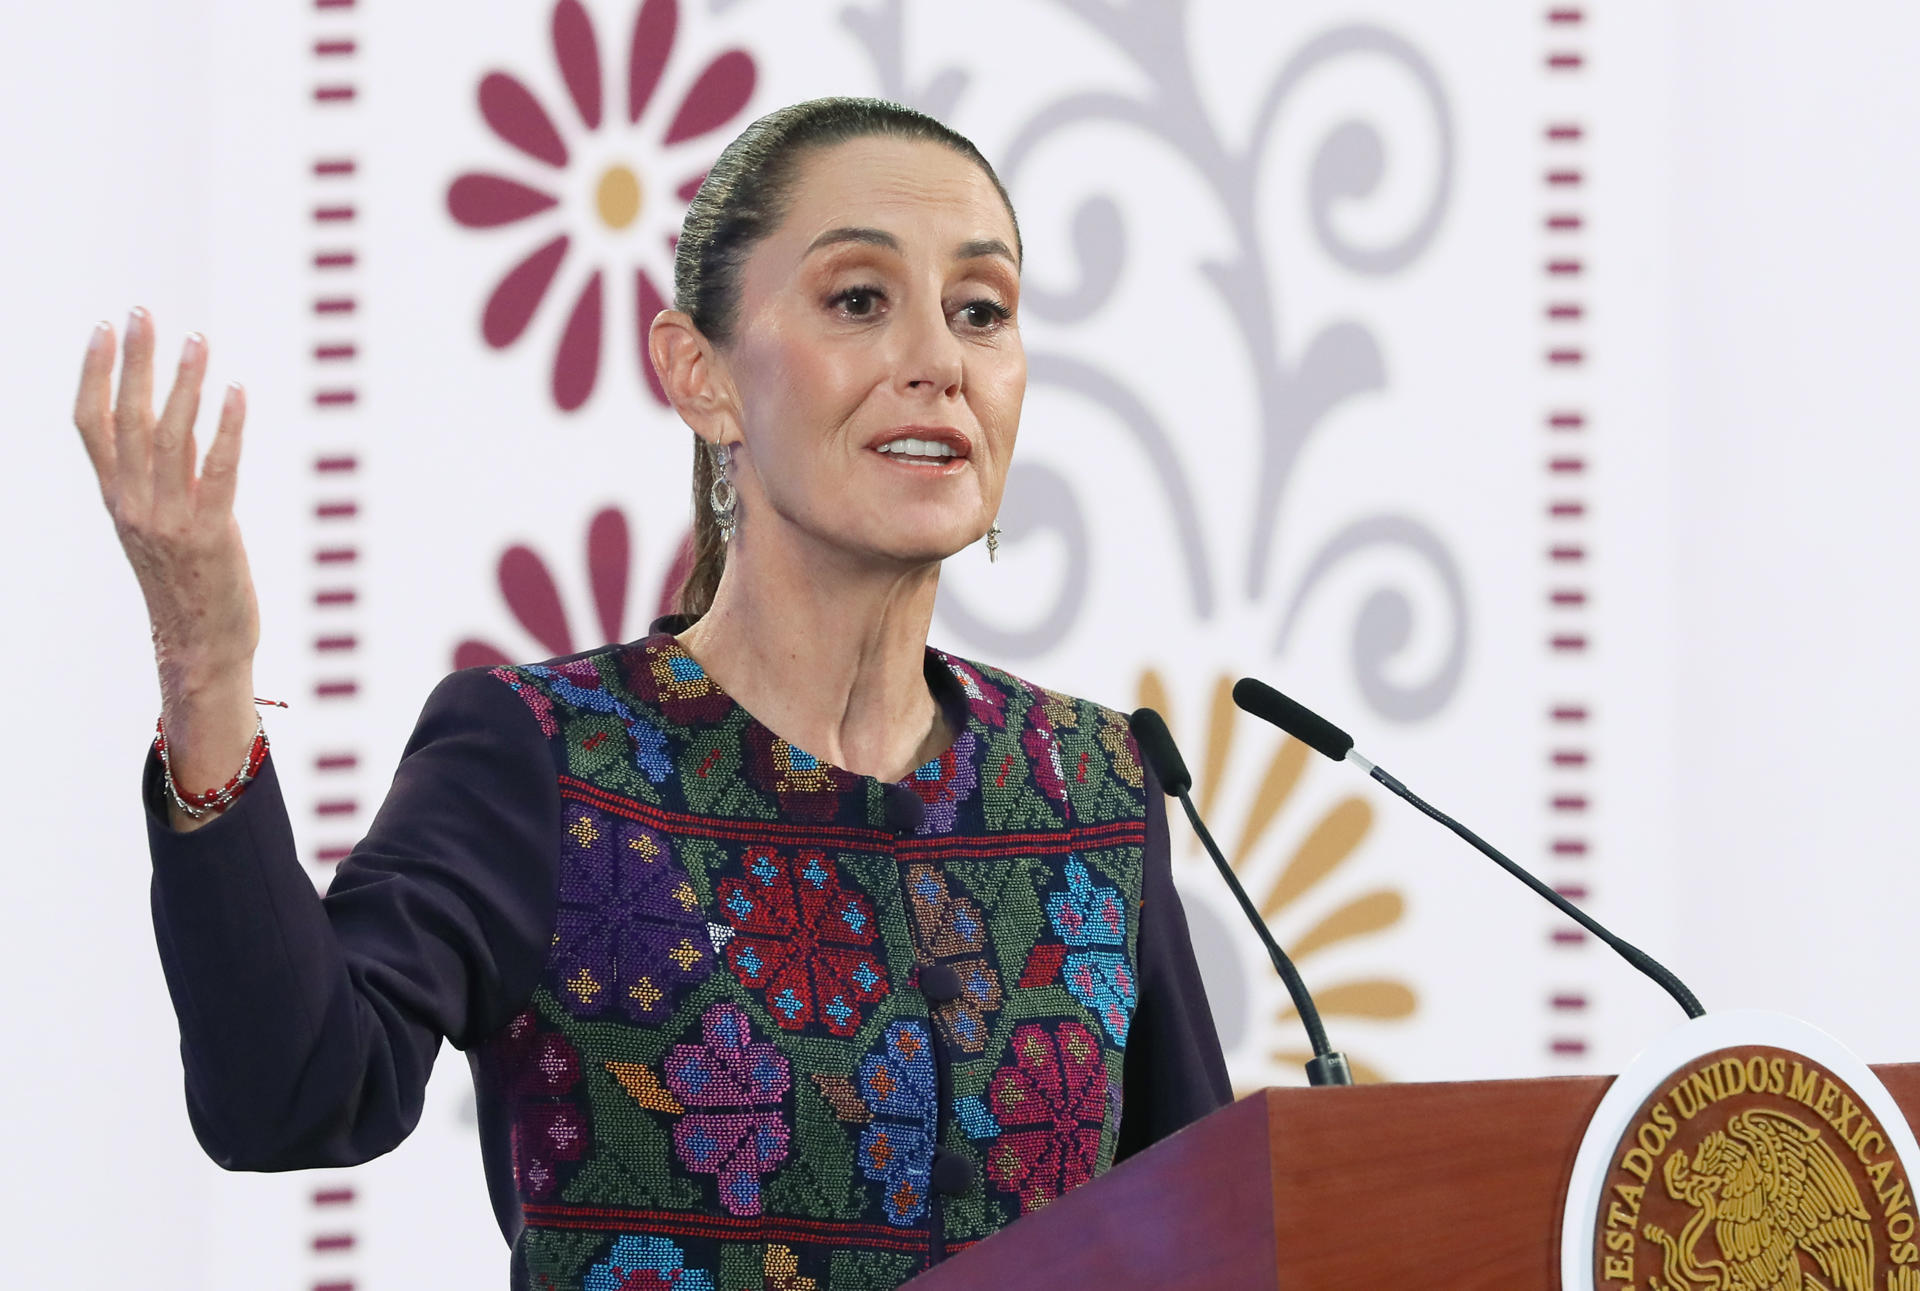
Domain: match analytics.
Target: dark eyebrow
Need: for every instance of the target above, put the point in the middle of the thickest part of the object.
(985, 247)
(881, 238)
(872, 237)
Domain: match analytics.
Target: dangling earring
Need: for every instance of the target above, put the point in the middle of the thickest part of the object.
(723, 497)
(993, 543)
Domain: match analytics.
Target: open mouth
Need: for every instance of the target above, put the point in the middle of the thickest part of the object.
(918, 450)
(931, 451)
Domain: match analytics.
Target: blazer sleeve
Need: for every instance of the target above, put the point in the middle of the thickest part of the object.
(308, 1025)
(1175, 1073)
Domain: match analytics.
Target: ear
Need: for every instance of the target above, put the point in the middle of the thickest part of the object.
(694, 375)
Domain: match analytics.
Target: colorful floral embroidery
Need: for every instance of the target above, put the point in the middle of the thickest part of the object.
(630, 933)
(745, 1083)
(896, 1148)
(802, 939)
(542, 706)
(987, 702)
(664, 674)
(1103, 981)
(976, 1122)
(949, 930)
(945, 782)
(639, 1080)
(782, 1270)
(1090, 914)
(579, 684)
(546, 1135)
(1122, 752)
(1042, 747)
(539, 1069)
(806, 788)
(649, 1094)
(646, 1264)
(1087, 913)
(1051, 1105)
(896, 1102)
(583, 674)
(1062, 713)
(1043, 966)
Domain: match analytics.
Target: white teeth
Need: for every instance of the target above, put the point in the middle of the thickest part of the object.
(917, 448)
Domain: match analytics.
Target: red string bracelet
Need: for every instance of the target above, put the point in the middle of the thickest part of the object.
(214, 801)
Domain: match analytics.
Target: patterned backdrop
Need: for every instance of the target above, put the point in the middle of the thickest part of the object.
(1343, 324)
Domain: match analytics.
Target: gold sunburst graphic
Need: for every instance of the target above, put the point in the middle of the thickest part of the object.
(1277, 889)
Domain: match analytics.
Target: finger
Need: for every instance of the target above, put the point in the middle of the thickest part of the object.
(133, 411)
(222, 467)
(93, 405)
(173, 456)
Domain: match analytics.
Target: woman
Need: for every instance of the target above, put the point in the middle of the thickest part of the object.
(736, 1011)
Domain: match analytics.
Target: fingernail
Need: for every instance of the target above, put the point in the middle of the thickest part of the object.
(135, 317)
(101, 331)
(195, 345)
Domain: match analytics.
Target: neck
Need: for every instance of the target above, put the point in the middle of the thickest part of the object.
(828, 655)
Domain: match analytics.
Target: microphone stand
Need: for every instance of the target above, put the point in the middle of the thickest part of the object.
(1150, 732)
(1328, 1066)
(1323, 737)
(1640, 959)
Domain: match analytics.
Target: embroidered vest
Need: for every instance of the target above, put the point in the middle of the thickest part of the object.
(802, 1029)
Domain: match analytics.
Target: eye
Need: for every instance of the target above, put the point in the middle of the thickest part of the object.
(859, 302)
(985, 314)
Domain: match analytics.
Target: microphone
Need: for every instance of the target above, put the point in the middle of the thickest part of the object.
(1327, 1067)
(1322, 736)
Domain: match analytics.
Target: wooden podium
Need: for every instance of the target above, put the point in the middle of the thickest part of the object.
(1441, 1185)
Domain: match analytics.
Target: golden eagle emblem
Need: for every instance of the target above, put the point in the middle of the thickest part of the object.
(1771, 1190)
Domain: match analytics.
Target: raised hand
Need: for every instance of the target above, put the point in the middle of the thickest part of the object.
(179, 532)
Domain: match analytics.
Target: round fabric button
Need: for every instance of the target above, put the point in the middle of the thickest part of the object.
(952, 1173)
(903, 809)
(939, 983)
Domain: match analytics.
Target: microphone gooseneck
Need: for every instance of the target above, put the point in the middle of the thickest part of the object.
(1328, 1066)
(1268, 704)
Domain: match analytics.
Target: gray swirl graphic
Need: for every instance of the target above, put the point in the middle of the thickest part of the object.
(1351, 159)
(1104, 389)
(1099, 252)
(1384, 626)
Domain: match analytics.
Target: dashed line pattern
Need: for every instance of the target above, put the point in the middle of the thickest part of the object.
(334, 813)
(1565, 180)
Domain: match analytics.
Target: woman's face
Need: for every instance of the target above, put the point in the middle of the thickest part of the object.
(877, 357)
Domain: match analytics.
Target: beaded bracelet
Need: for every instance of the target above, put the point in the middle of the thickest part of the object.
(214, 801)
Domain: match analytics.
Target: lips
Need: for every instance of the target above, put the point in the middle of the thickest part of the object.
(923, 445)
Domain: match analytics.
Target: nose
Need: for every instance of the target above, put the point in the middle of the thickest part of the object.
(932, 361)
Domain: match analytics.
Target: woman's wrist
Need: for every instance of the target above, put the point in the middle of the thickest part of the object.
(209, 725)
(198, 676)
(198, 806)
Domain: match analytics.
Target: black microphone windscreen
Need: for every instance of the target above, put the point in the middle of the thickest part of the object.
(1311, 729)
(1157, 746)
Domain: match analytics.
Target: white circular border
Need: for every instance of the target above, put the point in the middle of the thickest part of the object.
(1661, 1059)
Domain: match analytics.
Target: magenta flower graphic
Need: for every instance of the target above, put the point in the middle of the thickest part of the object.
(533, 595)
(591, 186)
(741, 1086)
